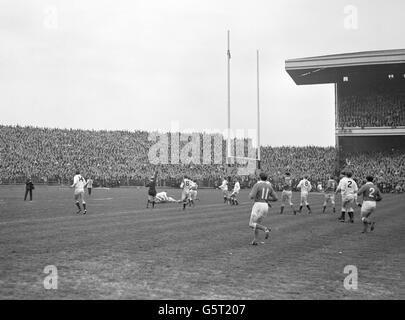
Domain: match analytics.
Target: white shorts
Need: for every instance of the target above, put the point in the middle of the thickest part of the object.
(234, 194)
(79, 196)
(193, 194)
(259, 211)
(368, 208)
(185, 195)
(304, 198)
(286, 196)
(348, 200)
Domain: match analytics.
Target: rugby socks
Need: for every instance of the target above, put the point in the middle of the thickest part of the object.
(342, 216)
(300, 209)
(84, 205)
(309, 208)
(78, 205)
(365, 224)
(351, 214)
(324, 208)
(281, 209)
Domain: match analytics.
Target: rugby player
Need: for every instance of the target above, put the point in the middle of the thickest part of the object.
(89, 185)
(79, 183)
(193, 194)
(305, 187)
(348, 188)
(186, 185)
(162, 197)
(224, 188)
(233, 200)
(330, 194)
(152, 191)
(262, 193)
(286, 194)
(371, 195)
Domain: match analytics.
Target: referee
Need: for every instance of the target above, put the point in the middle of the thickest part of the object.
(29, 186)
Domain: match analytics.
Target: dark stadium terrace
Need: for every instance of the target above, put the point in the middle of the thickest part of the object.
(359, 67)
(369, 96)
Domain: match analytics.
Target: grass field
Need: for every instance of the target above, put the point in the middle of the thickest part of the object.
(120, 250)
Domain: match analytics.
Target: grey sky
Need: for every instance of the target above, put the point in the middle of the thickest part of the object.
(133, 64)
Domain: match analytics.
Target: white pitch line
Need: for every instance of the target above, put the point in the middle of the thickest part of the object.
(104, 214)
(100, 199)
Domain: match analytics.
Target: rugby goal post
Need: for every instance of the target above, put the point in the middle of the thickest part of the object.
(230, 156)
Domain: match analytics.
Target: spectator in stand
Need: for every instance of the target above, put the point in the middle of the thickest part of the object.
(112, 156)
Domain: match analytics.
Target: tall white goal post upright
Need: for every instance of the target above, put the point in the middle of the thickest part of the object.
(229, 153)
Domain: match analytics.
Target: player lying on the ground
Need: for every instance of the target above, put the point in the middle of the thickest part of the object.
(371, 194)
(262, 193)
(162, 197)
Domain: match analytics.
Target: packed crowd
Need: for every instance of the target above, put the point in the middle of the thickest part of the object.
(372, 110)
(122, 158)
(388, 168)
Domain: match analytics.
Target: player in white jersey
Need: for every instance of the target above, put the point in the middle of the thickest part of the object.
(330, 194)
(162, 197)
(233, 200)
(348, 188)
(79, 183)
(186, 185)
(193, 194)
(305, 186)
(89, 185)
(224, 188)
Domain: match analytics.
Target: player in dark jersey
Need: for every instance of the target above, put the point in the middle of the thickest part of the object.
(371, 195)
(262, 193)
(152, 191)
(286, 194)
(330, 194)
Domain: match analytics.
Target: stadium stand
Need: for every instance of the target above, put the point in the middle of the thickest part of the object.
(377, 108)
(120, 158)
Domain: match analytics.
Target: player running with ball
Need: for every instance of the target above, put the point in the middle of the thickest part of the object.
(262, 193)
